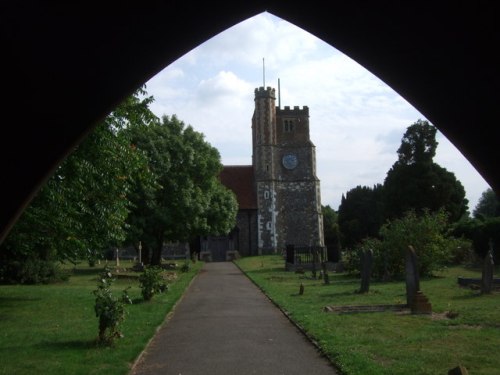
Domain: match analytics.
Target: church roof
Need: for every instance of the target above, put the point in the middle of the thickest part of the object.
(240, 179)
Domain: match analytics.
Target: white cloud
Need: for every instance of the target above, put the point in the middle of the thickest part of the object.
(357, 121)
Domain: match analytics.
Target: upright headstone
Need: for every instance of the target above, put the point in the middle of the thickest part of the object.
(415, 299)
(140, 252)
(412, 278)
(487, 275)
(366, 270)
(326, 279)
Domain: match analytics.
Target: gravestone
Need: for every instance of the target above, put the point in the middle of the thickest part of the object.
(416, 300)
(366, 270)
(487, 275)
(412, 278)
(326, 279)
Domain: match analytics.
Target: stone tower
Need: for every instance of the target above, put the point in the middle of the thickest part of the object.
(287, 189)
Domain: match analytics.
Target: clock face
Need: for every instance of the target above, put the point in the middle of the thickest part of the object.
(290, 161)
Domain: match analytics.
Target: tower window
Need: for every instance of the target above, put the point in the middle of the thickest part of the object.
(288, 126)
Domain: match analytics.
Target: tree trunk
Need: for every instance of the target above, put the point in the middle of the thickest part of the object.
(156, 255)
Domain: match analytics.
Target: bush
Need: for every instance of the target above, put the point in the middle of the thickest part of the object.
(425, 233)
(32, 271)
(110, 310)
(152, 282)
(185, 267)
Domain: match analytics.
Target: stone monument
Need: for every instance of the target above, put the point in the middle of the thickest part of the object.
(416, 300)
(487, 274)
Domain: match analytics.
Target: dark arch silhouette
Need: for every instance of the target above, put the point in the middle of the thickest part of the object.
(66, 66)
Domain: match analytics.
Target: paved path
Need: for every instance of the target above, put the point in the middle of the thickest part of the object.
(224, 325)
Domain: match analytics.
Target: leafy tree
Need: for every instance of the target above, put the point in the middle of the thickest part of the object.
(331, 233)
(483, 232)
(425, 232)
(418, 145)
(82, 208)
(415, 182)
(488, 205)
(360, 214)
(190, 199)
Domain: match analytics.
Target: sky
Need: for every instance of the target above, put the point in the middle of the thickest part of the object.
(356, 120)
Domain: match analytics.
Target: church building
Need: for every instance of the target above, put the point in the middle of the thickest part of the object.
(279, 194)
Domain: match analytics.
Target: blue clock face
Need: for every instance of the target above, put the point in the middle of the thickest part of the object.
(290, 161)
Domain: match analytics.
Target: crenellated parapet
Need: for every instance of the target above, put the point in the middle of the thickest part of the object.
(262, 92)
(296, 111)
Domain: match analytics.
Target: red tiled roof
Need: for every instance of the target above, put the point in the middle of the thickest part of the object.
(240, 179)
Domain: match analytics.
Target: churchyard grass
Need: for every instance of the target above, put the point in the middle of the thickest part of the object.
(52, 329)
(388, 342)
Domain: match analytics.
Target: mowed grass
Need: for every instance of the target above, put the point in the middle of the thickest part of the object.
(52, 329)
(388, 342)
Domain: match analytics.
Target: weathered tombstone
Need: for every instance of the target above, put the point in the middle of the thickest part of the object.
(487, 275)
(326, 279)
(140, 252)
(412, 279)
(366, 270)
(416, 300)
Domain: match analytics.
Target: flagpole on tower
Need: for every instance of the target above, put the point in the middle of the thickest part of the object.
(263, 73)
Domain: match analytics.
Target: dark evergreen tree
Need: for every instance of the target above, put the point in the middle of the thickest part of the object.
(415, 182)
(331, 233)
(360, 214)
(488, 205)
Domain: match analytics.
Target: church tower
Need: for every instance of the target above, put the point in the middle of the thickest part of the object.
(287, 189)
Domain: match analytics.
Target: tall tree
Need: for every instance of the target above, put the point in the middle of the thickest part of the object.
(82, 208)
(360, 214)
(488, 205)
(415, 182)
(190, 199)
(331, 233)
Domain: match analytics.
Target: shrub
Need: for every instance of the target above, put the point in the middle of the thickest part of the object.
(425, 233)
(351, 262)
(152, 282)
(32, 270)
(109, 309)
(185, 267)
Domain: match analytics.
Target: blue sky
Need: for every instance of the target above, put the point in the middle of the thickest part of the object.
(356, 120)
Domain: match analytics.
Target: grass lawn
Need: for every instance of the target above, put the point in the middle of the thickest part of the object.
(389, 342)
(52, 329)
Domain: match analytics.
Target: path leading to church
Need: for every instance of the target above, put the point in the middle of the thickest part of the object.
(225, 325)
